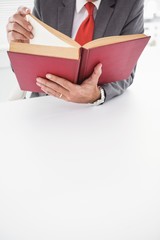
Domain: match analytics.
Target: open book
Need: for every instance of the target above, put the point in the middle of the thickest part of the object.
(53, 52)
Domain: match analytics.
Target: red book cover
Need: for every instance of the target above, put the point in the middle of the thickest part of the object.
(28, 67)
(118, 55)
(118, 60)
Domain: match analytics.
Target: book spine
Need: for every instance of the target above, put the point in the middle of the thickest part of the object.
(77, 67)
(83, 65)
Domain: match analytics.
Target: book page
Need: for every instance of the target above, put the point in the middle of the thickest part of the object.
(43, 37)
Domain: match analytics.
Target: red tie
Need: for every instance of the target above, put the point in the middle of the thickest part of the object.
(86, 29)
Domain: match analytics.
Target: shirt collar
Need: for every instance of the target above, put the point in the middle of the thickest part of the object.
(80, 4)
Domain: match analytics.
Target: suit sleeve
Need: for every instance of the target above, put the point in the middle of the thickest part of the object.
(36, 9)
(133, 25)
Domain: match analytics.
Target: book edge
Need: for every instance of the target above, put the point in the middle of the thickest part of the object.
(41, 50)
(113, 40)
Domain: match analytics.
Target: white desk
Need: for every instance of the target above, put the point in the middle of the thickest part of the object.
(71, 171)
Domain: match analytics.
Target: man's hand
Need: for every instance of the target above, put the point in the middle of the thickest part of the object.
(18, 29)
(87, 92)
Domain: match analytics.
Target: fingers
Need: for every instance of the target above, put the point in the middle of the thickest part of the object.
(17, 37)
(15, 31)
(18, 28)
(17, 18)
(60, 81)
(59, 87)
(23, 11)
(51, 88)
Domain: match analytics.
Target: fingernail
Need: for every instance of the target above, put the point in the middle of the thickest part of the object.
(27, 10)
(31, 36)
(49, 76)
(30, 27)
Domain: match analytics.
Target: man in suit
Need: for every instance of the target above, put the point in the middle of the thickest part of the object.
(111, 17)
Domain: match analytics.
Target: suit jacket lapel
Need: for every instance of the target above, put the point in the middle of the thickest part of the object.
(104, 14)
(65, 16)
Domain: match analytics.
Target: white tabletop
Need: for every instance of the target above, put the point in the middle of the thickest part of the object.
(70, 171)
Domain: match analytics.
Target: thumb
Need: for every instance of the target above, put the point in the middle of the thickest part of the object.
(96, 73)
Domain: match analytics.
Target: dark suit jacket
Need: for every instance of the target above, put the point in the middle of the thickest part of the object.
(114, 17)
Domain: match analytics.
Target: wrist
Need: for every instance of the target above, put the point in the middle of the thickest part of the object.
(97, 95)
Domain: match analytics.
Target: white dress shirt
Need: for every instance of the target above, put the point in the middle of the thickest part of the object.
(81, 14)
